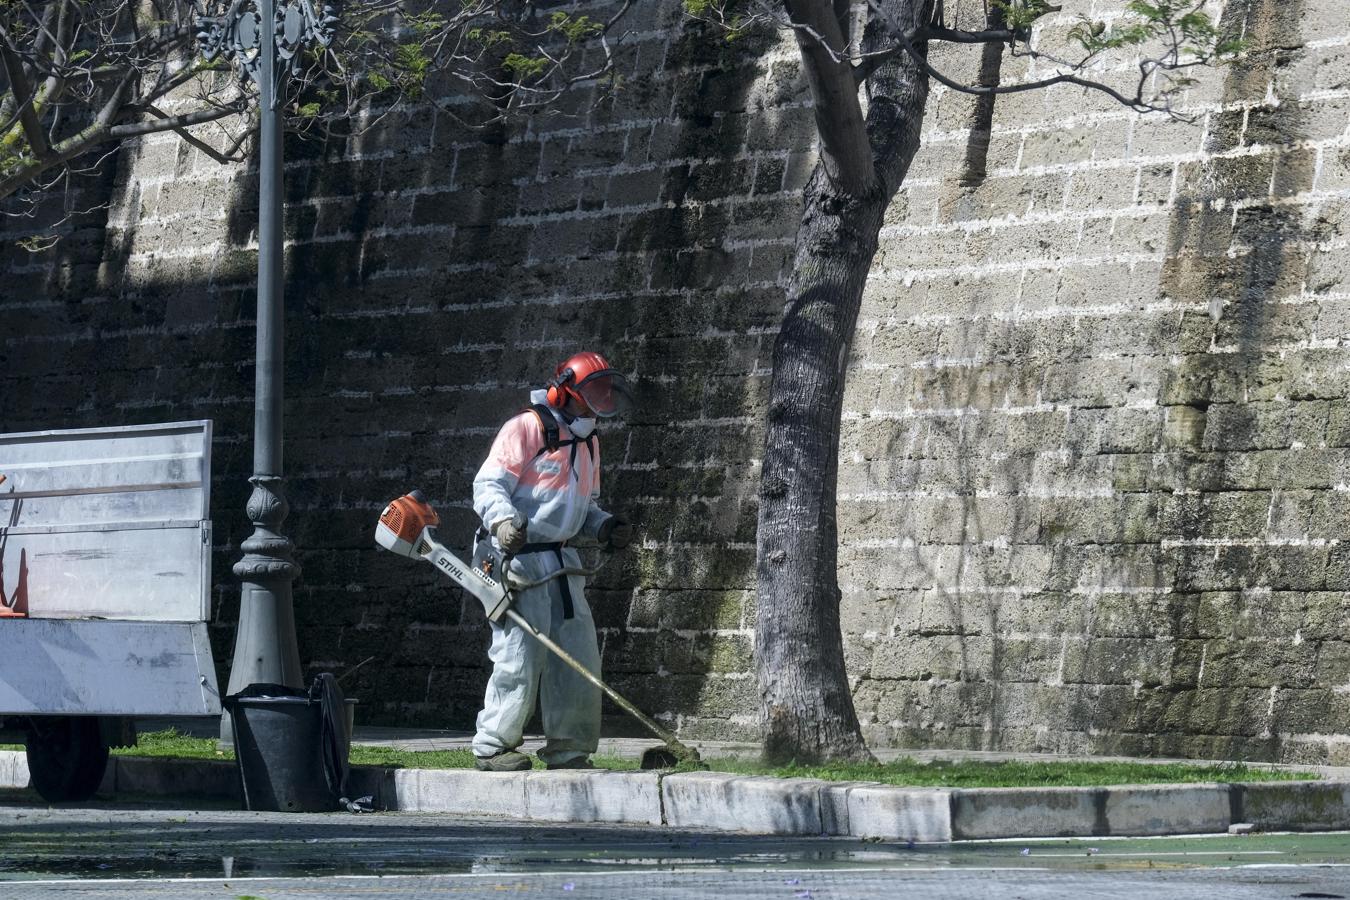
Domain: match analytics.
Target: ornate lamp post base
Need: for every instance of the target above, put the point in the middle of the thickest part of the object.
(265, 649)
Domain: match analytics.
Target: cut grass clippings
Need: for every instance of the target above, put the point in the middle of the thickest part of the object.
(906, 772)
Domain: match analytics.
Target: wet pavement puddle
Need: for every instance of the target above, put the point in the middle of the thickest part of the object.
(108, 843)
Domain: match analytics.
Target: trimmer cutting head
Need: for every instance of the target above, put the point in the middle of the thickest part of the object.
(403, 522)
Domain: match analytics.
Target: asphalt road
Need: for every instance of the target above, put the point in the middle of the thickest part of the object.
(121, 853)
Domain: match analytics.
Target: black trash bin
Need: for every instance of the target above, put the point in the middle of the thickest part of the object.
(279, 736)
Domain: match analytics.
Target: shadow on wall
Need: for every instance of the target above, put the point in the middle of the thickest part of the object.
(123, 332)
(965, 541)
(55, 300)
(434, 277)
(1165, 668)
(1219, 699)
(680, 640)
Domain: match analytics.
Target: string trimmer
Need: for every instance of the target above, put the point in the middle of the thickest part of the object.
(408, 527)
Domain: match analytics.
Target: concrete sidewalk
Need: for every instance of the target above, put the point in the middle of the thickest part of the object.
(719, 801)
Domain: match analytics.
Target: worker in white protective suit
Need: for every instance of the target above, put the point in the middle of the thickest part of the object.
(544, 470)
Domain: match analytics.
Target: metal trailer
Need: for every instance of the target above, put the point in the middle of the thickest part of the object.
(105, 577)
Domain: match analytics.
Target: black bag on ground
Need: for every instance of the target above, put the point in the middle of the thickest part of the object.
(336, 740)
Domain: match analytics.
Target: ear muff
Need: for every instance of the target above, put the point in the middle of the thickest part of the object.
(556, 396)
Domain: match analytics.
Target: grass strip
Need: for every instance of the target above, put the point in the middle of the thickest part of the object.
(906, 772)
(171, 744)
(1014, 773)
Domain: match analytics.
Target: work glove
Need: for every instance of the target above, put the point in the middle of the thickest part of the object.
(615, 533)
(510, 536)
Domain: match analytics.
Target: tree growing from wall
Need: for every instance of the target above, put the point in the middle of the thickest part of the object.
(79, 77)
(868, 71)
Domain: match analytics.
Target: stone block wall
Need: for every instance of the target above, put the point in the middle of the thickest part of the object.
(1094, 474)
(1093, 452)
(434, 276)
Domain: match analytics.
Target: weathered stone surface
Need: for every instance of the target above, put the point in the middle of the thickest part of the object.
(1295, 806)
(834, 807)
(173, 777)
(1168, 809)
(902, 814)
(1048, 812)
(1095, 434)
(463, 791)
(586, 796)
(1026, 812)
(738, 803)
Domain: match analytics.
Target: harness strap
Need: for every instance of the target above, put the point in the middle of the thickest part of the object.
(542, 547)
(553, 437)
(556, 548)
(548, 424)
(569, 610)
(572, 460)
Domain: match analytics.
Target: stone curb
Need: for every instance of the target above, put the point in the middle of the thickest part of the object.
(719, 801)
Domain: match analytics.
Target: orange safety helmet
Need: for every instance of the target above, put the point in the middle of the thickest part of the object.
(589, 378)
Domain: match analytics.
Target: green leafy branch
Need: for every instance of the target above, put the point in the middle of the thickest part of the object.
(1019, 16)
(1190, 30)
(574, 28)
(733, 18)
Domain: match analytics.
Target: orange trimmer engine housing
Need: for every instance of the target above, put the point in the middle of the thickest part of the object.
(403, 522)
(407, 527)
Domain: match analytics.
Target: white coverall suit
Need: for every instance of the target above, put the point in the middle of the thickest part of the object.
(556, 491)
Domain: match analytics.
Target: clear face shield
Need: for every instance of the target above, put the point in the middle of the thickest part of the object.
(606, 392)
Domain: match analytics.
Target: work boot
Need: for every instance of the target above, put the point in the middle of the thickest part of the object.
(506, 761)
(576, 762)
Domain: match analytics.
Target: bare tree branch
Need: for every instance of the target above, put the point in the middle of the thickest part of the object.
(81, 75)
(957, 36)
(845, 149)
(201, 145)
(23, 97)
(1136, 102)
(172, 123)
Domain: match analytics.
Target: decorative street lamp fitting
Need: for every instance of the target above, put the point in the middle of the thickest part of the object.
(236, 29)
(265, 649)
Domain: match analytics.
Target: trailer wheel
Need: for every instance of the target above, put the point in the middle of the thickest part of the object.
(66, 757)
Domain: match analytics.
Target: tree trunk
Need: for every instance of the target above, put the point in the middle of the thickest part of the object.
(806, 703)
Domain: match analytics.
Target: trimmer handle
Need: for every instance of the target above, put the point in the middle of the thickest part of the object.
(518, 520)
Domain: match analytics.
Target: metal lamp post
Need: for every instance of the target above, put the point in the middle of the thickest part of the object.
(264, 39)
